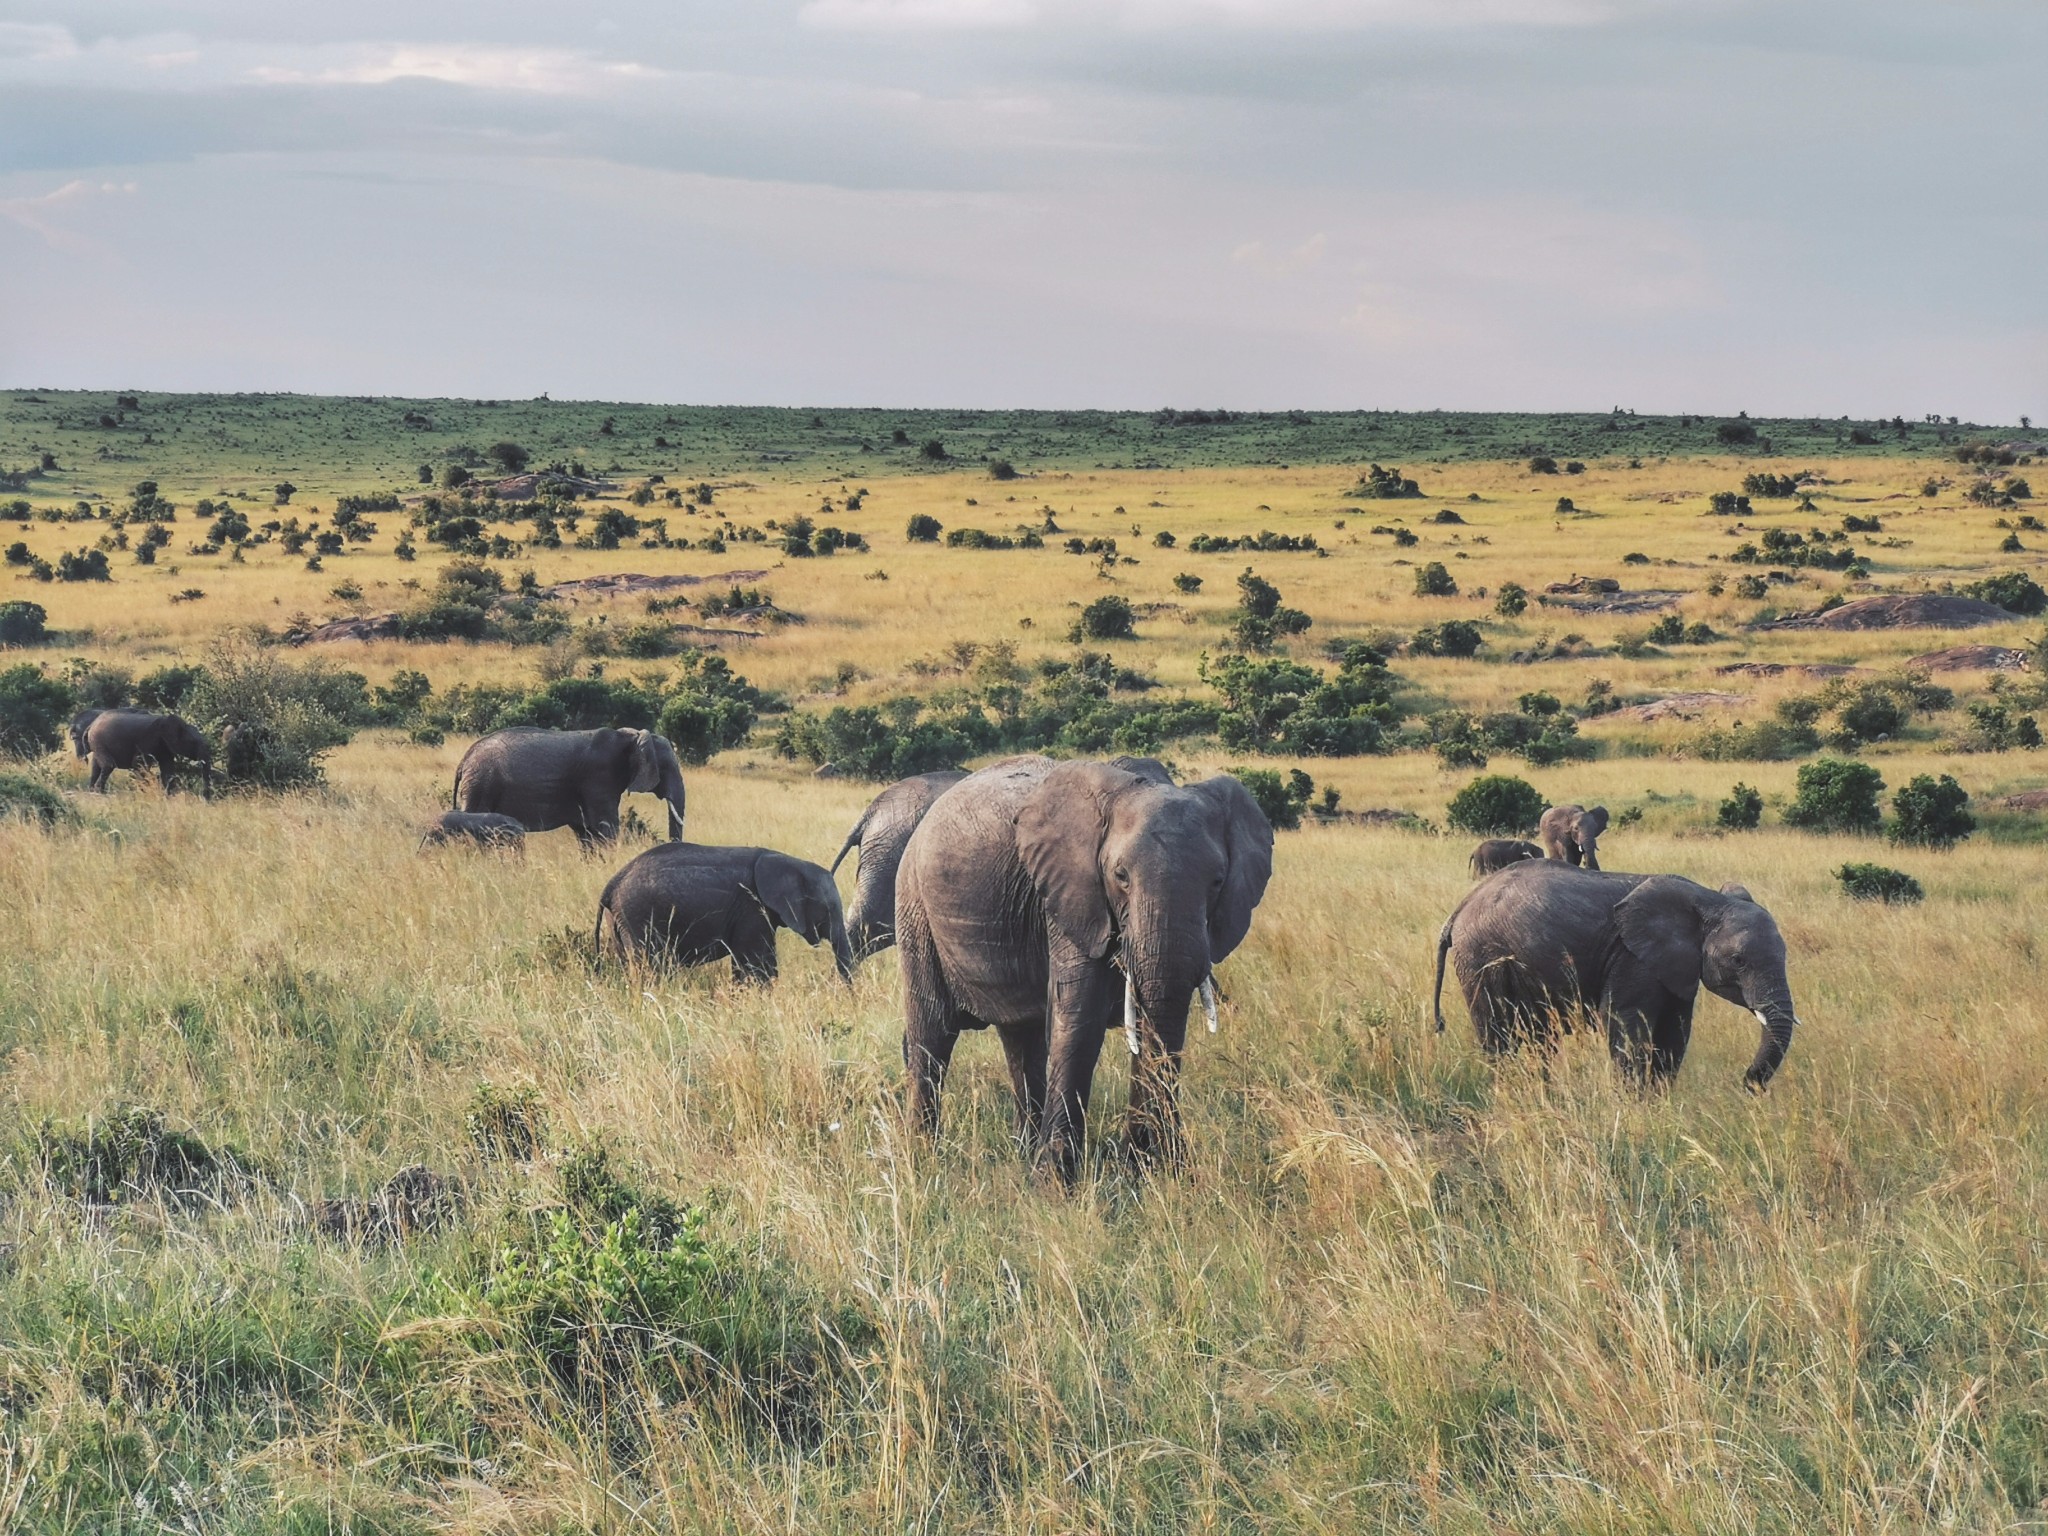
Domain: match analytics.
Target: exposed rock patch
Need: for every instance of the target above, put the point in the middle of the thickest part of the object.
(1682, 706)
(1916, 610)
(1974, 658)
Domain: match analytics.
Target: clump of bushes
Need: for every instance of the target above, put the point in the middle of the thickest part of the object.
(1261, 618)
(1281, 800)
(1511, 600)
(23, 623)
(1265, 541)
(1874, 882)
(24, 797)
(1934, 813)
(923, 528)
(1742, 811)
(1380, 484)
(1453, 637)
(1107, 618)
(273, 720)
(1282, 706)
(1497, 805)
(33, 710)
(2014, 591)
(133, 1151)
(1433, 580)
(1835, 795)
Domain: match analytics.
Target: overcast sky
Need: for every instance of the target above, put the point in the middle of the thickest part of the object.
(1784, 206)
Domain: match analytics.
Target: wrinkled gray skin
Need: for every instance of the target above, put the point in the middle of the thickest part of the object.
(1498, 853)
(1538, 940)
(687, 904)
(1028, 894)
(113, 739)
(548, 779)
(881, 835)
(481, 829)
(1572, 833)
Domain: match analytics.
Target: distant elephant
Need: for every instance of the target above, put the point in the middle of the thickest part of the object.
(880, 836)
(1538, 940)
(548, 779)
(113, 739)
(1498, 853)
(483, 829)
(1572, 833)
(686, 904)
(1036, 897)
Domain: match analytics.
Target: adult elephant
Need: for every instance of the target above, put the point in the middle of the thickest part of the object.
(114, 739)
(547, 779)
(1571, 834)
(880, 837)
(685, 904)
(1539, 941)
(1046, 900)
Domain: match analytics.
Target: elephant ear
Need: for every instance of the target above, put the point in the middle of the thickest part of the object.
(1059, 839)
(646, 759)
(1248, 840)
(781, 884)
(1663, 926)
(1595, 820)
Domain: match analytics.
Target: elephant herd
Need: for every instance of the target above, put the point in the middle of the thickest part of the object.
(1054, 901)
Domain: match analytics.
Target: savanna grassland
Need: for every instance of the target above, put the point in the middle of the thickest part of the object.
(685, 1270)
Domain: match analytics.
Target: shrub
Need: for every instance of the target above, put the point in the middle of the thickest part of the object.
(1542, 464)
(710, 708)
(1378, 484)
(1728, 504)
(284, 717)
(1742, 811)
(1497, 805)
(1276, 796)
(1735, 432)
(1187, 583)
(1933, 813)
(1854, 524)
(2014, 591)
(586, 704)
(1751, 587)
(1276, 706)
(507, 1124)
(1432, 580)
(1769, 485)
(509, 457)
(84, 565)
(33, 710)
(23, 624)
(27, 798)
(923, 529)
(1511, 600)
(1107, 618)
(1453, 637)
(1874, 882)
(133, 1151)
(1836, 796)
(1002, 469)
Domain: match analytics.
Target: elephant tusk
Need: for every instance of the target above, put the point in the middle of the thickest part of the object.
(1209, 1000)
(1131, 1014)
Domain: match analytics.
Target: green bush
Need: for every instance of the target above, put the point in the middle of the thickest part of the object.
(1511, 601)
(84, 565)
(1185, 582)
(272, 720)
(1742, 811)
(1433, 580)
(1497, 805)
(709, 708)
(1836, 796)
(923, 529)
(27, 798)
(33, 711)
(1282, 706)
(1281, 800)
(1934, 813)
(2014, 591)
(23, 624)
(133, 1151)
(1107, 618)
(1874, 882)
(1453, 637)
(587, 704)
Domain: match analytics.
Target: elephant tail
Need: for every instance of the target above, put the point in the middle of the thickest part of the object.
(597, 936)
(1443, 949)
(852, 839)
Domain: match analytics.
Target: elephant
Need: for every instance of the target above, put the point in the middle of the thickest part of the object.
(688, 904)
(1036, 897)
(1539, 940)
(547, 779)
(113, 739)
(483, 829)
(880, 835)
(1572, 833)
(1498, 853)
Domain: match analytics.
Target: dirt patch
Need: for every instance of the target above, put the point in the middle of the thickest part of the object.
(1780, 668)
(1918, 610)
(1682, 706)
(1974, 658)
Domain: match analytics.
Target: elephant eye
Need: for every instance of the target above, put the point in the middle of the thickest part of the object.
(1123, 875)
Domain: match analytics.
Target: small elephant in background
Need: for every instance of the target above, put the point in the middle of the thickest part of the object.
(879, 837)
(548, 779)
(689, 904)
(481, 829)
(1572, 833)
(114, 739)
(1497, 853)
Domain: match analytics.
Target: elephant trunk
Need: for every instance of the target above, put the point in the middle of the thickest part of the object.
(843, 952)
(675, 819)
(1778, 1020)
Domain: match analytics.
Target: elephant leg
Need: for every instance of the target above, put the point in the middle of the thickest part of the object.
(1670, 1034)
(1086, 998)
(931, 1025)
(102, 770)
(1024, 1047)
(1572, 855)
(1152, 1123)
(1647, 1032)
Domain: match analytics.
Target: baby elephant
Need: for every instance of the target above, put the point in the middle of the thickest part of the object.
(688, 904)
(1572, 833)
(114, 739)
(482, 829)
(1499, 852)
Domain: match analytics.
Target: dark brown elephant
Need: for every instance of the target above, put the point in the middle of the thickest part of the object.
(1047, 900)
(1541, 941)
(1498, 853)
(114, 739)
(880, 837)
(1571, 833)
(686, 904)
(548, 779)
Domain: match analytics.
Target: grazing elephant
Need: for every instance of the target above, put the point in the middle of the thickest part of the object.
(1538, 940)
(686, 904)
(1046, 900)
(113, 739)
(482, 829)
(1572, 833)
(1498, 853)
(880, 836)
(548, 779)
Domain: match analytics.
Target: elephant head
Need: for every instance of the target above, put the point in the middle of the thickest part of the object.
(1688, 936)
(188, 741)
(657, 770)
(1164, 877)
(802, 898)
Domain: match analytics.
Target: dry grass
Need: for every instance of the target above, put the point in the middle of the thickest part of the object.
(1393, 1288)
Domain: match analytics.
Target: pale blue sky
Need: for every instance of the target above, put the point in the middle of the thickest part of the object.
(1790, 207)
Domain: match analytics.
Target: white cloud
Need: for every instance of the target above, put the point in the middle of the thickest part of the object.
(25, 40)
(39, 214)
(919, 15)
(547, 71)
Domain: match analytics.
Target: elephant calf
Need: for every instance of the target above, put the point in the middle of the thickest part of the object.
(483, 829)
(114, 739)
(687, 904)
(1540, 940)
(1497, 853)
(1571, 834)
